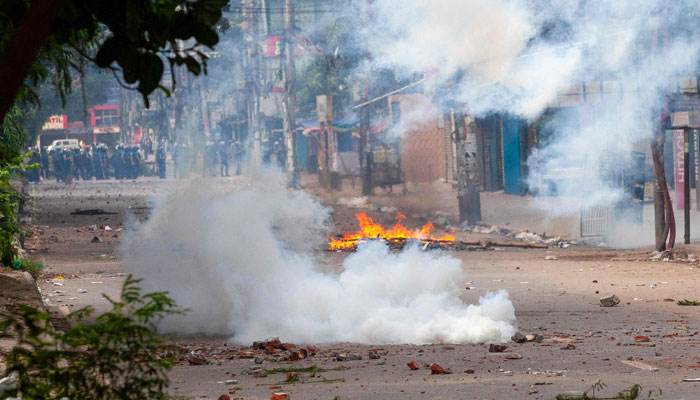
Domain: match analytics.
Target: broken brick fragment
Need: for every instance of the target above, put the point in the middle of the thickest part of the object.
(412, 365)
(292, 376)
(373, 354)
(224, 397)
(267, 343)
(279, 396)
(197, 361)
(436, 369)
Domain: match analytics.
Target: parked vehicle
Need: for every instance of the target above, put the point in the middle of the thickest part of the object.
(64, 144)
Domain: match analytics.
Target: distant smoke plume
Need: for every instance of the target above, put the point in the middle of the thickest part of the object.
(242, 263)
(518, 56)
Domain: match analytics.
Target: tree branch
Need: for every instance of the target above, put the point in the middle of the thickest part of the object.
(21, 50)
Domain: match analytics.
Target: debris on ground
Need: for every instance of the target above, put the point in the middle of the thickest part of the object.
(519, 337)
(92, 211)
(8, 383)
(513, 356)
(675, 254)
(533, 337)
(412, 365)
(197, 361)
(436, 369)
(687, 302)
(279, 396)
(497, 348)
(640, 365)
(610, 301)
(373, 355)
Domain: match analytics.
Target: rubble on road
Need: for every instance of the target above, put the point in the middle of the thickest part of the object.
(518, 337)
(497, 348)
(271, 351)
(412, 365)
(675, 254)
(436, 369)
(610, 301)
(524, 236)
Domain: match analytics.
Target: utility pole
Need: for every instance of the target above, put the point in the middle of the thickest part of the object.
(252, 72)
(467, 172)
(657, 144)
(290, 98)
(365, 149)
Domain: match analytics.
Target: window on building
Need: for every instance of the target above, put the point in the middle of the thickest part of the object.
(106, 117)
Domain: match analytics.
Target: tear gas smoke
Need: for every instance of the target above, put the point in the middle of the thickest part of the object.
(520, 56)
(241, 262)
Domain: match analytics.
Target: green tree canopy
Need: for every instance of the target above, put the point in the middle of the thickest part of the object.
(44, 40)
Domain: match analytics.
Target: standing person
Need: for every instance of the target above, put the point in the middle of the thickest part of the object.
(160, 160)
(223, 158)
(57, 159)
(104, 160)
(67, 165)
(115, 161)
(87, 163)
(135, 162)
(44, 162)
(78, 163)
(96, 167)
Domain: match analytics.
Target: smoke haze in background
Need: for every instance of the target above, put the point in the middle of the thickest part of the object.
(516, 56)
(241, 263)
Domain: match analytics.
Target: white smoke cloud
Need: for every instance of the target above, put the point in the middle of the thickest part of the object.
(519, 56)
(241, 262)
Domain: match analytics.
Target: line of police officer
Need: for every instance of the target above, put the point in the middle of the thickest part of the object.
(85, 163)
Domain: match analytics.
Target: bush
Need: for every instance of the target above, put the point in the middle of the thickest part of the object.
(113, 358)
(31, 266)
(11, 159)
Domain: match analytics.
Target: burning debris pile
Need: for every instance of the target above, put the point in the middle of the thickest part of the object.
(395, 237)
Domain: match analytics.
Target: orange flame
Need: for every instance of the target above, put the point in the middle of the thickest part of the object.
(372, 230)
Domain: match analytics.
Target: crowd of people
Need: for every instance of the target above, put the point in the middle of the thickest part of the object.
(216, 156)
(86, 163)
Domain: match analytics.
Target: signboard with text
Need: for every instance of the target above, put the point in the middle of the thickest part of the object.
(56, 122)
(273, 47)
(106, 129)
(678, 166)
